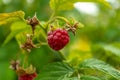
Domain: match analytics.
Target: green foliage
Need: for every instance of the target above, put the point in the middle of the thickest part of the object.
(101, 66)
(17, 28)
(101, 29)
(6, 18)
(10, 74)
(56, 71)
(110, 52)
(63, 71)
(89, 78)
(59, 5)
(111, 48)
(16, 19)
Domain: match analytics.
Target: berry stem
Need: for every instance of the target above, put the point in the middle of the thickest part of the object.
(25, 60)
(63, 18)
(47, 23)
(62, 56)
(43, 28)
(50, 19)
(52, 16)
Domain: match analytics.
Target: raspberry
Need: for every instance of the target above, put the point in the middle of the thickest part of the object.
(58, 39)
(27, 76)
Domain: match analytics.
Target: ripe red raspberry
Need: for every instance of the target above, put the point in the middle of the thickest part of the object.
(27, 76)
(57, 39)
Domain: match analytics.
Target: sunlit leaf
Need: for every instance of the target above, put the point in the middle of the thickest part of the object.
(58, 5)
(97, 1)
(16, 28)
(101, 66)
(6, 18)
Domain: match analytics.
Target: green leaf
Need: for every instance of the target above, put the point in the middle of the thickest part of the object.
(101, 66)
(86, 77)
(6, 18)
(110, 48)
(58, 5)
(16, 28)
(56, 71)
(72, 78)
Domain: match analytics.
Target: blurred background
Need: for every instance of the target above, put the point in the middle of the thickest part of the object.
(100, 38)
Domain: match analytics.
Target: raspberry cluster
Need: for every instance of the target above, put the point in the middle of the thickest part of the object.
(27, 76)
(57, 39)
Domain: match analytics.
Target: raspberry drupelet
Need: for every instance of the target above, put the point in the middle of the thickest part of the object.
(58, 39)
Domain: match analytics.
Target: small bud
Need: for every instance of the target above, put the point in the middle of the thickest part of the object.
(73, 25)
(33, 22)
(72, 28)
(28, 45)
(14, 64)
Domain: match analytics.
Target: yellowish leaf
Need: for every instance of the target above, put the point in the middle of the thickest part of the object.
(6, 18)
(59, 5)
